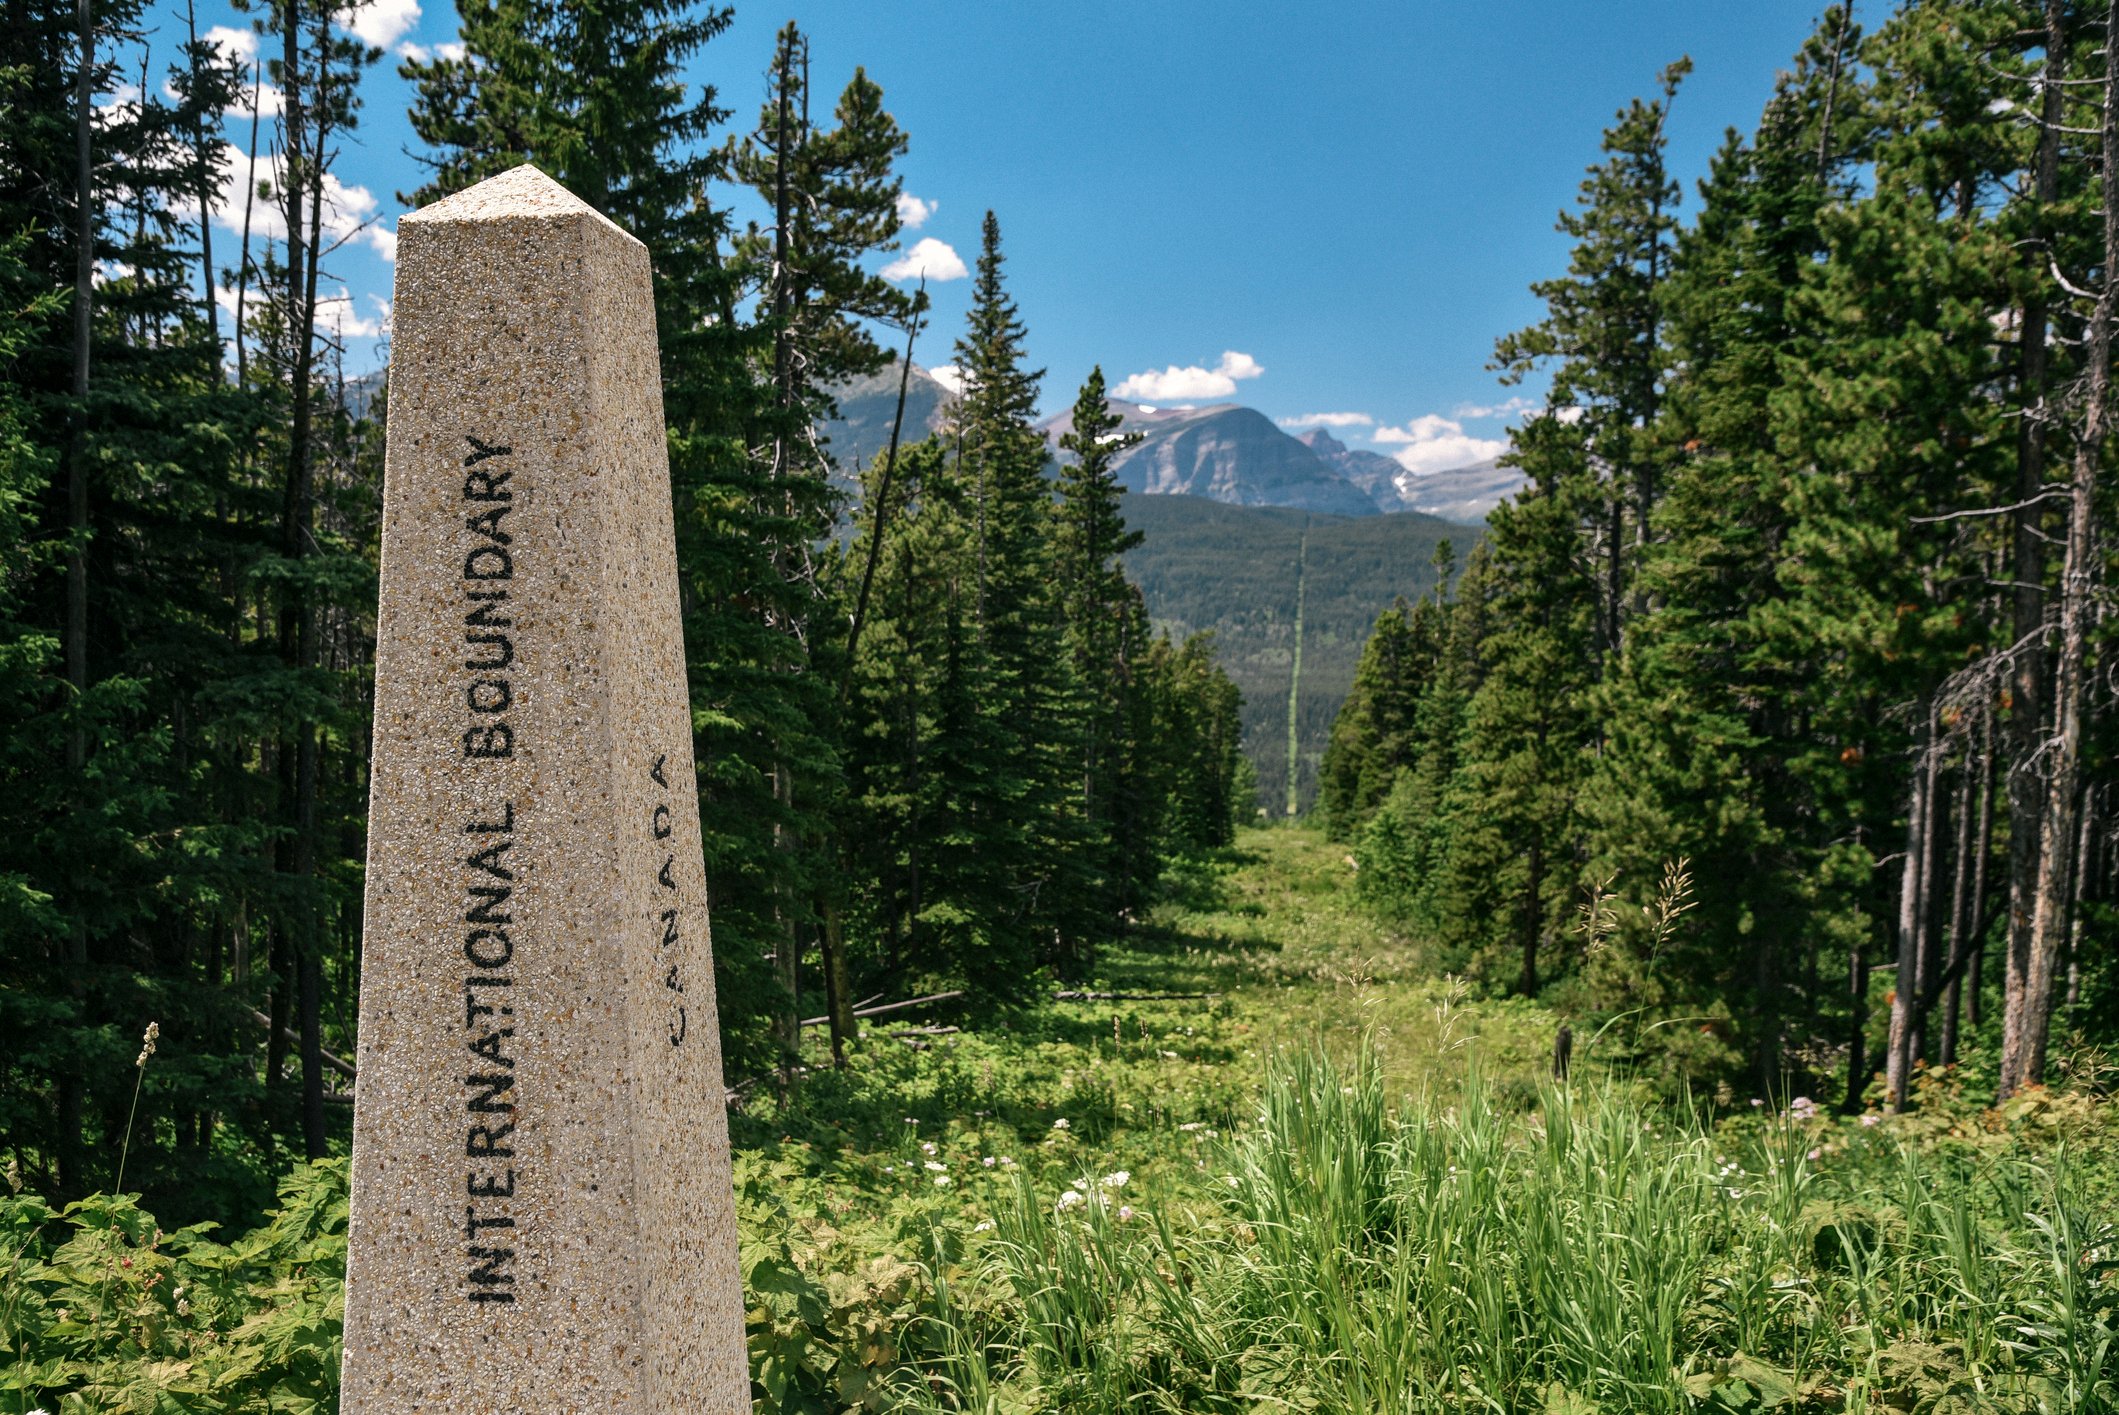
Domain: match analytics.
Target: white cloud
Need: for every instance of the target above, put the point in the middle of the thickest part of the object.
(1433, 443)
(270, 101)
(417, 53)
(1329, 420)
(351, 213)
(253, 297)
(381, 23)
(949, 376)
(936, 260)
(1175, 384)
(452, 51)
(1508, 409)
(338, 314)
(234, 43)
(912, 212)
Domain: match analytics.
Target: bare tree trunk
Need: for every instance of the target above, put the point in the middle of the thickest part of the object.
(879, 518)
(2056, 830)
(71, 1086)
(787, 952)
(2027, 572)
(1533, 922)
(1615, 573)
(250, 194)
(1857, 1026)
(1912, 918)
(838, 991)
(1968, 880)
(1824, 127)
(303, 196)
(202, 177)
(1975, 1004)
(2086, 838)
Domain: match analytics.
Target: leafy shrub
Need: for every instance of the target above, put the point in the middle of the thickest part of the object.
(102, 1311)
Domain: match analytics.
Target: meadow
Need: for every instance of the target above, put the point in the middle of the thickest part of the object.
(1309, 1175)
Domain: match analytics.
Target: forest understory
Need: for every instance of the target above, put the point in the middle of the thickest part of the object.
(1265, 1160)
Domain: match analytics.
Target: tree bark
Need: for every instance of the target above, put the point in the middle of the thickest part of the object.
(1975, 1004)
(72, 1085)
(2086, 838)
(1857, 1027)
(202, 178)
(1533, 922)
(1963, 869)
(2027, 572)
(1912, 919)
(2056, 828)
(303, 196)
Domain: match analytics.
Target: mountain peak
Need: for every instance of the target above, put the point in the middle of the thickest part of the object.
(1321, 441)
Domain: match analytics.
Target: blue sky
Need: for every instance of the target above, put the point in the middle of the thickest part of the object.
(1329, 209)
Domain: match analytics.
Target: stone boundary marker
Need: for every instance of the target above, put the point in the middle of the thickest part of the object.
(542, 1213)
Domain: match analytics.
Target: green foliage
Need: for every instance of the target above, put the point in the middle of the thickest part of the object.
(103, 1311)
(1763, 608)
(1205, 567)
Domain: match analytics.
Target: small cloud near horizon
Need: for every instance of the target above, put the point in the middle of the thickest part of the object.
(1509, 409)
(1433, 443)
(1329, 420)
(1174, 384)
(928, 258)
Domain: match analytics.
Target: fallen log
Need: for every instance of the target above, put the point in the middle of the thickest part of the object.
(337, 1063)
(888, 1007)
(1075, 995)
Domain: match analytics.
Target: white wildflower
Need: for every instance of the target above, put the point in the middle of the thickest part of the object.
(927, 1146)
(988, 1161)
(1060, 1124)
(1117, 1178)
(147, 1042)
(941, 1179)
(936, 1165)
(982, 1226)
(1069, 1199)
(1189, 1126)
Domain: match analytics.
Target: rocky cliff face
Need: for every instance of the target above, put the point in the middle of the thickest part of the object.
(1460, 494)
(1226, 453)
(866, 407)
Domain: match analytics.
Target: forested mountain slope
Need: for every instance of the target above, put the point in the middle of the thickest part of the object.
(1237, 571)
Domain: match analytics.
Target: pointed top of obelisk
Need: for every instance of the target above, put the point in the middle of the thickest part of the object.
(518, 192)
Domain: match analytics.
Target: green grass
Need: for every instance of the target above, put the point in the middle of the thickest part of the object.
(1343, 1185)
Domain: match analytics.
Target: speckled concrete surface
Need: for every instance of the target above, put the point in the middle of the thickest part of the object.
(542, 1212)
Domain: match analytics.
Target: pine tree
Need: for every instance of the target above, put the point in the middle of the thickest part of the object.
(1603, 326)
(1105, 631)
(1510, 866)
(1371, 739)
(1707, 707)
